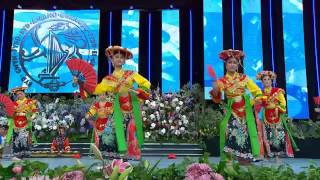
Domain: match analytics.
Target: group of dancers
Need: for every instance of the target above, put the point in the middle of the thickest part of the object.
(116, 115)
(243, 134)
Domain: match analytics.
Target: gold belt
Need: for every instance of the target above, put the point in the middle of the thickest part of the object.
(20, 114)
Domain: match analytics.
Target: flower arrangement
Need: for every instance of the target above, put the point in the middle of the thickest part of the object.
(3, 121)
(60, 111)
(169, 116)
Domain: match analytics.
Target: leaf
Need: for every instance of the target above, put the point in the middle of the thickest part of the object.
(126, 173)
(154, 167)
(115, 173)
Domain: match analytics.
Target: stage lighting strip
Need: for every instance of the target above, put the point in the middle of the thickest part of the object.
(149, 48)
(271, 34)
(315, 44)
(190, 48)
(232, 24)
(2, 37)
(110, 38)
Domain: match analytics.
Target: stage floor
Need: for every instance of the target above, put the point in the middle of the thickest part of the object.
(297, 164)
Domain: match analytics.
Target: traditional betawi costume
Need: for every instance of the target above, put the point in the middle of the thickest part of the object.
(276, 136)
(20, 130)
(238, 133)
(126, 104)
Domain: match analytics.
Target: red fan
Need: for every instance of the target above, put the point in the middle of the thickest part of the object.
(211, 72)
(8, 104)
(84, 72)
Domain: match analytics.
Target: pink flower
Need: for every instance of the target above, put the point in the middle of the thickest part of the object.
(122, 165)
(73, 175)
(17, 169)
(202, 172)
(218, 176)
(107, 170)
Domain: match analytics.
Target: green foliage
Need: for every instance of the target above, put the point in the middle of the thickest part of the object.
(143, 170)
(208, 115)
(305, 129)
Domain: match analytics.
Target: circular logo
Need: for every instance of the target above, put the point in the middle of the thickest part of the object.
(42, 46)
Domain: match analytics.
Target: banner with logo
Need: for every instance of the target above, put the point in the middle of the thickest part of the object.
(42, 42)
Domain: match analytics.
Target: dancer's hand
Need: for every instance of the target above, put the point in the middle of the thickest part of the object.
(258, 101)
(75, 80)
(133, 91)
(214, 87)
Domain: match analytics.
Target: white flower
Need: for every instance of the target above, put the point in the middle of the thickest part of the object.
(170, 121)
(163, 131)
(161, 105)
(180, 103)
(44, 126)
(164, 121)
(57, 100)
(178, 108)
(55, 118)
(175, 100)
(157, 113)
(180, 123)
(83, 121)
(177, 132)
(54, 127)
(182, 128)
(144, 118)
(143, 113)
(147, 101)
(185, 122)
(38, 127)
(166, 102)
(153, 125)
(147, 134)
(152, 116)
(172, 127)
(184, 117)
(153, 104)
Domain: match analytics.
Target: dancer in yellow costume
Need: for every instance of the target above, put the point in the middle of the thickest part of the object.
(127, 114)
(20, 129)
(238, 134)
(276, 136)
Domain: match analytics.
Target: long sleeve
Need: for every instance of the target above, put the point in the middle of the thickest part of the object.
(253, 88)
(282, 101)
(141, 81)
(103, 87)
(92, 111)
(66, 145)
(143, 86)
(54, 145)
(33, 106)
(216, 98)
